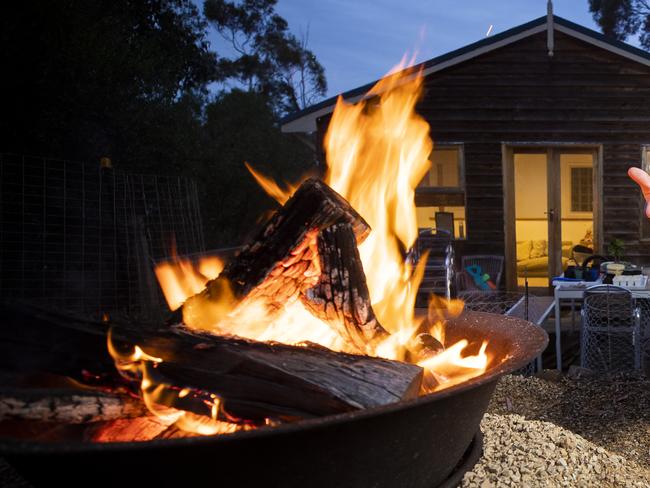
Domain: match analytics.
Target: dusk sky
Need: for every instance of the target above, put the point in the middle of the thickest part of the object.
(358, 41)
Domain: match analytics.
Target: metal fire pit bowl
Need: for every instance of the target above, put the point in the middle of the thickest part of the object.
(415, 443)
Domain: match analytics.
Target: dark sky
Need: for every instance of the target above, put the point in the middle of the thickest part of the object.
(358, 41)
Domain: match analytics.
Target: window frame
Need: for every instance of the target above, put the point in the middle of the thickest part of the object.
(446, 196)
(460, 147)
(579, 213)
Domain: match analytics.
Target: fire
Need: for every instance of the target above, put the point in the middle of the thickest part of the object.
(377, 153)
(180, 278)
(160, 398)
(271, 187)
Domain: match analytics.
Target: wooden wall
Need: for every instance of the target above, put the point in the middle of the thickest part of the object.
(518, 93)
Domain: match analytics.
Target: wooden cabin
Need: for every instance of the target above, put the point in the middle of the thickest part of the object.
(534, 129)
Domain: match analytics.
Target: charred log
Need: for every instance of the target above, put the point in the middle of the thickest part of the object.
(66, 406)
(281, 260)
(258, 380)
(341, 296)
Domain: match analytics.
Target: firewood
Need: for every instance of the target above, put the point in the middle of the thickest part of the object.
(66, 406)
(281, 260)
(341, 296)
(423, 346)
(256, 380)
(259, 380)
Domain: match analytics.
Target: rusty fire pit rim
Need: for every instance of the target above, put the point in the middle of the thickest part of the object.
(533, 340)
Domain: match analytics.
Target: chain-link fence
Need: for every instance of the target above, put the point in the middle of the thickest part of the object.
(79, 236)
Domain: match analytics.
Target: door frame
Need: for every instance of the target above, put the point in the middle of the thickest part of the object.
(552, 149)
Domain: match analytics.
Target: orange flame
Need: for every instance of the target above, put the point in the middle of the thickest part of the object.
(271, 187)
(137, 364)
(377, 153)
(180, 279)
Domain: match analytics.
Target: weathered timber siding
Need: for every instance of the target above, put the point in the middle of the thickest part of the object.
(520, 94)
(517, 93)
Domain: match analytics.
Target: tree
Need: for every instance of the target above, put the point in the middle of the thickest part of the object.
(622, 18)
(240, 127)
(268, 59)
(129, 80)
(91, 78)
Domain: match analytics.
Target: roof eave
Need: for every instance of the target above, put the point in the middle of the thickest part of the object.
(306, 120)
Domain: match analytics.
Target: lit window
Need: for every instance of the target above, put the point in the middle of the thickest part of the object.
(440, 196)
(582, 190)
(445, 169)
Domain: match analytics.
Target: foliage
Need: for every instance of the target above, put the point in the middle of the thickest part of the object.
(240, 127)
(129, 80)
(89, 78)
(616, 248)
(267, 59)
(622, 18)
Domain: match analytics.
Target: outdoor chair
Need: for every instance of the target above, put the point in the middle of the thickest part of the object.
(438, 270)
(488, 264)
(445, 221)
(610, 339)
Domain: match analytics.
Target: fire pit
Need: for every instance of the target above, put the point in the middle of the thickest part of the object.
(414, 443)
(304, 347)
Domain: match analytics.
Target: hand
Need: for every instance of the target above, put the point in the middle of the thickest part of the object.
(643, 180)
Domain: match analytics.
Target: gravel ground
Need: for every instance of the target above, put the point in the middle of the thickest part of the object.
(566, 432)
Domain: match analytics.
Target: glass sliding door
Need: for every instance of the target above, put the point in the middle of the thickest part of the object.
(553, 211)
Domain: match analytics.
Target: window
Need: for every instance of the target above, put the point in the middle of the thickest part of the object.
(582, 190)
(441, 193)
(445, 172)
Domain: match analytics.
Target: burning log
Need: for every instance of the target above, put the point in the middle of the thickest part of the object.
(281, 261)
(66, 406)
(258, 380)
(341, 296)
(423, 346)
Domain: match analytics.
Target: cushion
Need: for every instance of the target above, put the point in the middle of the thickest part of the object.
(538, 250)
(523, 249)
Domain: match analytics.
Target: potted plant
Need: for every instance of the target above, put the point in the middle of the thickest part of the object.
(616, 249)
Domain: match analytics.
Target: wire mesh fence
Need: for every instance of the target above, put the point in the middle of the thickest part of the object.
(611, 331)
(79, 236)
(498, 302)
(644, 332)
(524, 306)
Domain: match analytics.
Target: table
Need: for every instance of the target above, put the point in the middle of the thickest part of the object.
(571, 291)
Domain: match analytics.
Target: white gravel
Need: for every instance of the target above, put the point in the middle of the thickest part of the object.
(520, 452)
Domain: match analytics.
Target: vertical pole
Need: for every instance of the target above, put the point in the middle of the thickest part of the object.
(526, 293)
(550, 41)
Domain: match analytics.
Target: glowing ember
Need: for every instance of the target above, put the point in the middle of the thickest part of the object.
(377, 153)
